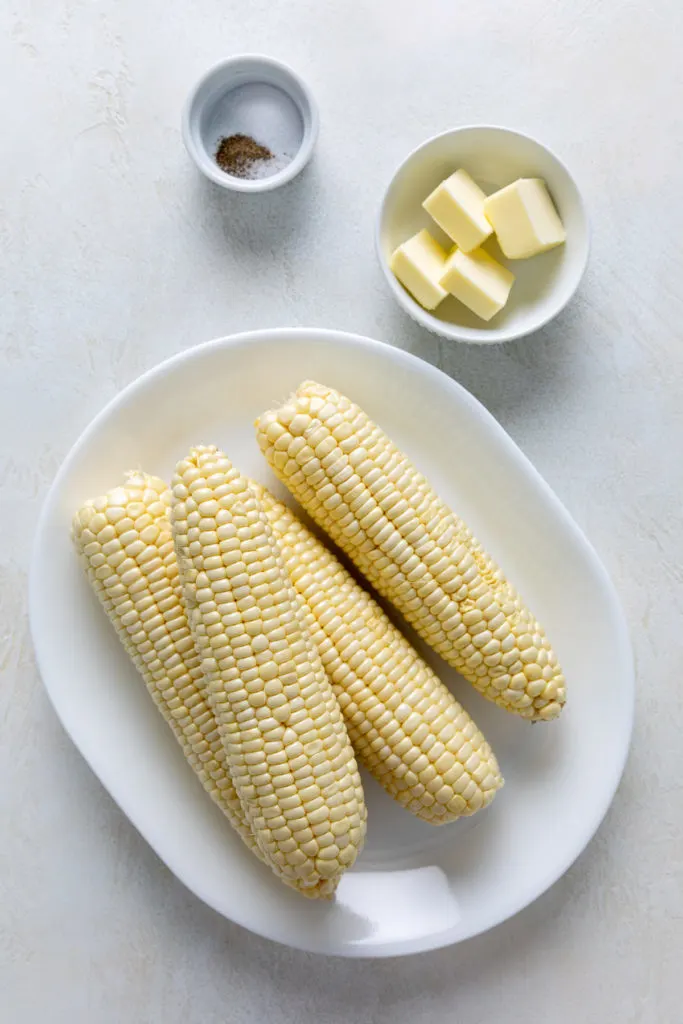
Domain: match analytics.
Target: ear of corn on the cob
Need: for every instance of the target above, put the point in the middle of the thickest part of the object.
(124, 539)
(405, 725)
(373, 502)
(289, 751)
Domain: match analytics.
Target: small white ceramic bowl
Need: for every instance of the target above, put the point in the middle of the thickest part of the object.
(494, 157)
(256, 96)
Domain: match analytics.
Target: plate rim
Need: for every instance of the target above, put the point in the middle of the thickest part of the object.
(402, 947)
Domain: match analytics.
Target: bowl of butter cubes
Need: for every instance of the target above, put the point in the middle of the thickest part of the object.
(483, 235)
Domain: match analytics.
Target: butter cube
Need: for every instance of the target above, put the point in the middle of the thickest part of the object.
(419, 264)
(524, 219)
(478, 281)
(457, 206)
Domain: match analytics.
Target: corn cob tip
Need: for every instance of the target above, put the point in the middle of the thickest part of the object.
(113, 504)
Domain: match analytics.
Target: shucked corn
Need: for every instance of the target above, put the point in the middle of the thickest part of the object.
(405, 725)
(289, 751)
(415, 551)
(125, 542)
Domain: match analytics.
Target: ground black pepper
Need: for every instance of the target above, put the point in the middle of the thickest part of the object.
(237, 154)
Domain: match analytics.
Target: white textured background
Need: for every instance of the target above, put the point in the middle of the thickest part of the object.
(114, 255)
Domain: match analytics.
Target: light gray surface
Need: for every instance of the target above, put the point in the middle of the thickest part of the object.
(114, 254)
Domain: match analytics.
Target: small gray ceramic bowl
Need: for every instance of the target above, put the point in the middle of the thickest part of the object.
(255, 96)
(494, 157)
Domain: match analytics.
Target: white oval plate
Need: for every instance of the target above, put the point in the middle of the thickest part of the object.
(414, 887)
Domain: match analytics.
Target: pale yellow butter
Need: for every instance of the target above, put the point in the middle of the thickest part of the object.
(478, 281)
(457, 206)
(418, 264)
(524, 218)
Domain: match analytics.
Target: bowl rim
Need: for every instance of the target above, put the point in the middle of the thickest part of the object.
(476, 335)
(305, 103)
